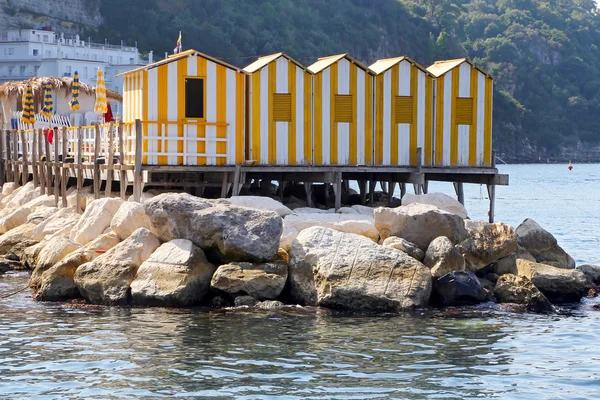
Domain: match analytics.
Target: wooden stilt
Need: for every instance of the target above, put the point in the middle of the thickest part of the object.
(460, 194)
(425, 187)
(491, 188)
(402, 190)
(56, 166)
(79, 170)
(137, 171)
(308, 190)
(15, 139)
(372, 184)
(392, 186)
(9, 168)
(224, 185)
(2, 160)
(109, 163)
(65, 171)
(24, 158)
(362, 188)
(34, 159)
(337, 189)
(282, 185)
(326, 187)
(97, 145)
(123, 173)
(236, 181)
(41, 165)
(48, 167)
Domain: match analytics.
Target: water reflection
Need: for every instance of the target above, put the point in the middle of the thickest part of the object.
(55, 351)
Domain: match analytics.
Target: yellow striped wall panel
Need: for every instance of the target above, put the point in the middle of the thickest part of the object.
(403, 112)
(463, 115)
(158, 95)
(280, 103)
(343, 112)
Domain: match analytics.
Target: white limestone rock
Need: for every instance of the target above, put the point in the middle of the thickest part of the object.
(107, 279)
(364, 210)
(261, 281)
(288, 234)
(54, 251)
(9, 187)
(439, 200)
(405, 246)
(419, 224)
(542, 245)
(229, 232)
(260, 203)
(94, 221)
(57, 224)
(442, 257)
(129, 217)
(487, 243)
(348, 223)
(343, 270)
(559, 285)
(176, 274)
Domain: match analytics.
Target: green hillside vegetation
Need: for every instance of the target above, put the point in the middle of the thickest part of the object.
(543, 54)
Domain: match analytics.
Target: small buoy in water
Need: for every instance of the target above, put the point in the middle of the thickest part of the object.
(570, 166)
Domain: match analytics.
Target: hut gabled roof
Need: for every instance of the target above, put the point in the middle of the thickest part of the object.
(176, 57)
(325, 62)
(15, 88)
(439, 68)
(384, 64)
(263, 61)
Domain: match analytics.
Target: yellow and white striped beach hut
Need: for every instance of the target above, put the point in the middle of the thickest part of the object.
(404, 112)
(279, 129)
(192, 110)
(343, 111)
(463, 114)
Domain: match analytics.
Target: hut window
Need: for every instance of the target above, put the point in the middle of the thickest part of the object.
(194, 98)
(464, 111)
(404, 110)
(282, 107)
(343, 108)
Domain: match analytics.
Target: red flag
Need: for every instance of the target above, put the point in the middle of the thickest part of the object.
(49, 133)
(108, 117)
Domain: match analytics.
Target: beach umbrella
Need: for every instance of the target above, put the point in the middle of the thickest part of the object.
(74, 103)
(100, 106)
(28, 116)
(47, 110)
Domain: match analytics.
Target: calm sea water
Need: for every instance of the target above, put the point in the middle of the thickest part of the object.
(53, 351)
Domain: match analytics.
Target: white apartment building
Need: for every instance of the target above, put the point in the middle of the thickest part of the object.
(25, 53)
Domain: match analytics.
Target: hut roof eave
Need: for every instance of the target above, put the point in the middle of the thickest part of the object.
(15, 88)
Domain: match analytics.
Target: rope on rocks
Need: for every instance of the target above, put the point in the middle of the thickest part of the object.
(4, 296)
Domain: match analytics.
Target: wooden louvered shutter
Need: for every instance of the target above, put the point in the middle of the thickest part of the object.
(343, 108)
(404, 109)
(464, 111)
(282, 107)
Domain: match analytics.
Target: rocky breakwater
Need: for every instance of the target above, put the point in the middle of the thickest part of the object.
(180, 250)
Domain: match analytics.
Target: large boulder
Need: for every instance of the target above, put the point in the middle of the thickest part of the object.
(176, 274)
(591, 272)
(459, 288)
(60, 223)
(21, 196)
(419, 224)
(343, 270)
(228, 232)
(57, 282)
(95, 219)
(107, 279)
(506, 265)
(309, 210)
(520, 290)
(41, 214)
(13, 217)
(405, 246)
(260, 203)
(261, 281)
(487, 243)
(21, 234)
(542, 245)
(130, 217)
(359, 224)
(442, 257)
(8, 188)
(439, 200)
(559, 285)
(365, 210)
(54, 251)
(288, 234)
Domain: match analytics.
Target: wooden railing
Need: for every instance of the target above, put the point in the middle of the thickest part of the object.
(113, 148)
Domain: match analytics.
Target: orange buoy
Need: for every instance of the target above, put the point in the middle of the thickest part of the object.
(570, 166)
